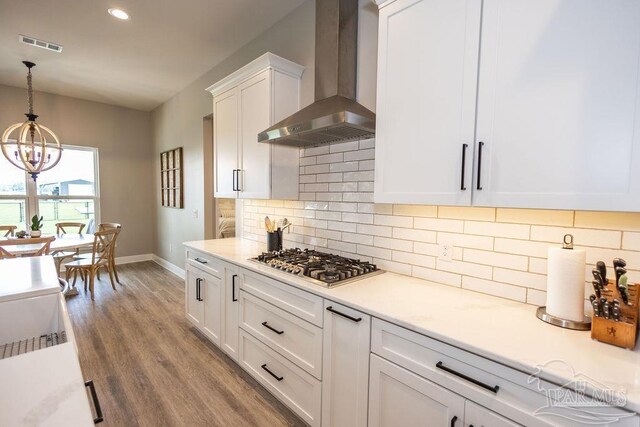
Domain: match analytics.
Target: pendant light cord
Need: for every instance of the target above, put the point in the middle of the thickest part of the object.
(30, 92)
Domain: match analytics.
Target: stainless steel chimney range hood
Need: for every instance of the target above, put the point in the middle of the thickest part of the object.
(335, 115)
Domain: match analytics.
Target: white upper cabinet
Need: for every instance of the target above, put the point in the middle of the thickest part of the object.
(225, 131)
(550, 88)
(245, 103)
(558, 104)
(427, 74)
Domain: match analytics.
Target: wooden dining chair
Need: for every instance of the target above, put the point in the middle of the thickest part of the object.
(8, 229)
(101, 255)
(108, 226)
(67, 228)
(45, 243)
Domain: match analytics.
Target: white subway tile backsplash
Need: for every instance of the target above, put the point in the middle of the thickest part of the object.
(499, 251)
(520, 278)
(581, 236)
(516, 293)
(451, 225)
(394, 221)
(344, 167)
(415, 235)
(374, 230)
(400, 245)
(512, 231)
(414, 259)
(437, 276)
(358, 176)
(496, 259)
(359, 155)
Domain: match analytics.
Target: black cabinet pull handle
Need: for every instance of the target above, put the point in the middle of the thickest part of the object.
(233, 180)
(478, 184)
(493, 389)
(453, 421)
(271, 373)
(266, 325)
(238, 175)
(197, 289)
(96, 403)
(464, 161)
(233, 288)
(346, 316)
(201, 261)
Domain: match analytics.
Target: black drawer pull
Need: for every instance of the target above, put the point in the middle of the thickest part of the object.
(96, 403)
(478, 184)
(233, 288)
(464, 161)
(453, 421)
(271, 373)
(346, 316)
(200, 260)
(233, 180)
(493, 389)
(266, 325)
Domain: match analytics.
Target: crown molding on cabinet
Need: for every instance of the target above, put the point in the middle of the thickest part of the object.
(268, 60)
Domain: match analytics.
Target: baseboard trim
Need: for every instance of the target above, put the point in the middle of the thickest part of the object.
(169, 266)
(134, 258)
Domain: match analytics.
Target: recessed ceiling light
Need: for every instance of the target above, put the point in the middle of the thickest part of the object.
(118, 13)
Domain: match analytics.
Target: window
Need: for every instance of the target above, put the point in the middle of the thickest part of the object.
(68, 192)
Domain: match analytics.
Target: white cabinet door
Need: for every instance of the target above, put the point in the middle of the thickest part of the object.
(479, 416)
(193, 306)
(211, 294)
(255, 116)
(559, 105)
(225, 130)
(427, 78)
(345, 361)
(230, 316)
(398, 397)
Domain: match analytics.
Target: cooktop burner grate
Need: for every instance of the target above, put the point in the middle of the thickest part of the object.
(322, 268)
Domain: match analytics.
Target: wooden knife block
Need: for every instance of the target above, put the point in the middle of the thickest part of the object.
(625, 332)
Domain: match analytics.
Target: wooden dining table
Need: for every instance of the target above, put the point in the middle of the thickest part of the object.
(63, 243)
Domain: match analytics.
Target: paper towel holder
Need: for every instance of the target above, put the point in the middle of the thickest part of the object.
(542, 314)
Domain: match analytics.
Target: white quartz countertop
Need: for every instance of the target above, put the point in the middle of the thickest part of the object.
(504, 331)
(27, 277)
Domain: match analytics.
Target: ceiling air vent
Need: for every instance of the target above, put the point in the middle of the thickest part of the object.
(40, 43)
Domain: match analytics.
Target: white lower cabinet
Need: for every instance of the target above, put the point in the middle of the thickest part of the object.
(231, 306)
(296, 388)
(345, 379)
(479, 416)
(398, 397)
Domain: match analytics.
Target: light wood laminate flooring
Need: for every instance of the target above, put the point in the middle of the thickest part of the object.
(152, 368)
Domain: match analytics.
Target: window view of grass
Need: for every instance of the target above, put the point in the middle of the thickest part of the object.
(12, 212)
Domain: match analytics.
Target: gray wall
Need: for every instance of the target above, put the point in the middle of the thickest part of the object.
(123, 139)
(178, 122)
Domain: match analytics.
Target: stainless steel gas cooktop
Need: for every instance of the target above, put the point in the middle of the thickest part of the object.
(318, 267)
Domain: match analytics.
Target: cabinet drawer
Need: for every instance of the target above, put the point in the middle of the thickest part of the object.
(508, 392)
(293, 386)
(286, 297)
(203, 261)
(294, 338)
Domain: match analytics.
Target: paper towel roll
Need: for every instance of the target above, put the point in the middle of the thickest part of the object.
(565, 283)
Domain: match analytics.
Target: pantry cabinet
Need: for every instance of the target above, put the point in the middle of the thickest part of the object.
(550, 88)
(245, 103)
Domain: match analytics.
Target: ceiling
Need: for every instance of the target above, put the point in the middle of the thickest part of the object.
(139, 63)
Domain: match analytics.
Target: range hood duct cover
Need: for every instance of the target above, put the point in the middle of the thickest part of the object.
(335, 115)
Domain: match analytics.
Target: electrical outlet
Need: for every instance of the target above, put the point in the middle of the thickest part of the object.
(446, 252)
(170, 247)
(195, 213)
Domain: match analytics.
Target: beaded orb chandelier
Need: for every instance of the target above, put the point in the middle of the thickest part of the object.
(30, 146)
